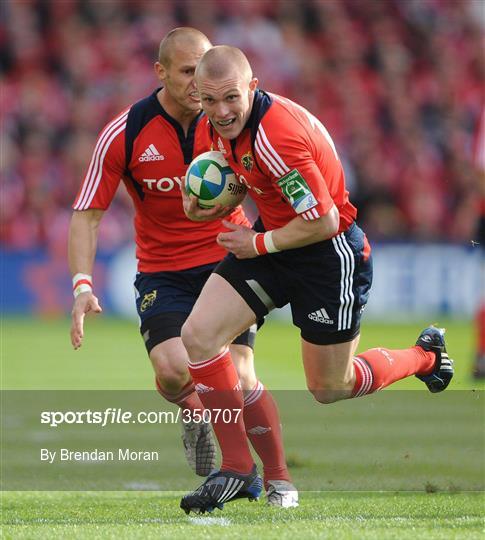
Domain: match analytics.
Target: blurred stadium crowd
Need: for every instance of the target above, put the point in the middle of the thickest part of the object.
(398, 83)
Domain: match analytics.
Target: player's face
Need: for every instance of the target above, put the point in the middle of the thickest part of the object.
(227, 102)
(178, 77)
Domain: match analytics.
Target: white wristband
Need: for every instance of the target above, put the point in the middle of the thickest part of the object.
(254, 244)
(84, 287)
(268, 242)
(81, 283)
(263, 243)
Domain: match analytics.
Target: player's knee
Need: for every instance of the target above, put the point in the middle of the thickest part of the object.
(194, 340)
(171, 375)
(171, 381)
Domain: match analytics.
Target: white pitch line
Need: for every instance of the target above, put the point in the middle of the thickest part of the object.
(221, 521)
(142, 486)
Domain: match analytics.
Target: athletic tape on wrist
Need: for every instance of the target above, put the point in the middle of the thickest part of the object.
(263, 243)
(254, 243)
(81, 283)
(268, 242)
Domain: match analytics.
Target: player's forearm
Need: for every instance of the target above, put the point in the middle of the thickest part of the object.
(298, 232)
(83, 237)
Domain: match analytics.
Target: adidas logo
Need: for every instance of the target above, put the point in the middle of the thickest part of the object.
(151, 154)
(321, 316)
(384, 353)
(446, 363)
(202, 388)
(259, 430)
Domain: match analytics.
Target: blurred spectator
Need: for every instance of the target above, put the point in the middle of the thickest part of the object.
(399, 84)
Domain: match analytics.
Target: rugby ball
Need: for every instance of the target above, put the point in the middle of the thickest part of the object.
(210, 178)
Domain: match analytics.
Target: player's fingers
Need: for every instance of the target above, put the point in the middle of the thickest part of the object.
(224, 240)
(76, 340)
(231, 226)
(193, 201)
(215, 212)
(207, 214)
(226, 236)
(77, 333)
(190, 205)
(219, 211)
(94, 305)
(196, 213)
(78, 322)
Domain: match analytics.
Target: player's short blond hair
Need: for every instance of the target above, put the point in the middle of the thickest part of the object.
(221, 61)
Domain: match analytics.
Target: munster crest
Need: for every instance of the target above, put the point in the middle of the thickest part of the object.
(247, 161)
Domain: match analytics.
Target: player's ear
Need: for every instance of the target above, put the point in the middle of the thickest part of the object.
(160, 71)
(253, 84)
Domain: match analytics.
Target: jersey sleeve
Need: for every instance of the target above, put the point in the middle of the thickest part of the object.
(287, 155)
(105, 169)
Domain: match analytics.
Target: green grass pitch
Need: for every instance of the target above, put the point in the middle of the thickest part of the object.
(360, 475)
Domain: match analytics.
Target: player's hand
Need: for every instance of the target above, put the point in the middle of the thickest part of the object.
(83, 304)
(239, 240)
(195, 213)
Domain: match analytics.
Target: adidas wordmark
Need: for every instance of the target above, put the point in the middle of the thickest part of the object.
(151, 154)
(321, 316)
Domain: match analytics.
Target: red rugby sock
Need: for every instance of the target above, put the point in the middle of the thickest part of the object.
(263, 429)
(378, 368)
(217, 384)
(187, 398)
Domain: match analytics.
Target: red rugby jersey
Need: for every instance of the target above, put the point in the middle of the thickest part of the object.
(147, 149)
(287, 159)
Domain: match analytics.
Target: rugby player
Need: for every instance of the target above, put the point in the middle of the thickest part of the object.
(306, 250)
(148, 146)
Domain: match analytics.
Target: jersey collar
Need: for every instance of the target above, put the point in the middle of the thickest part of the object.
(186, 143)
